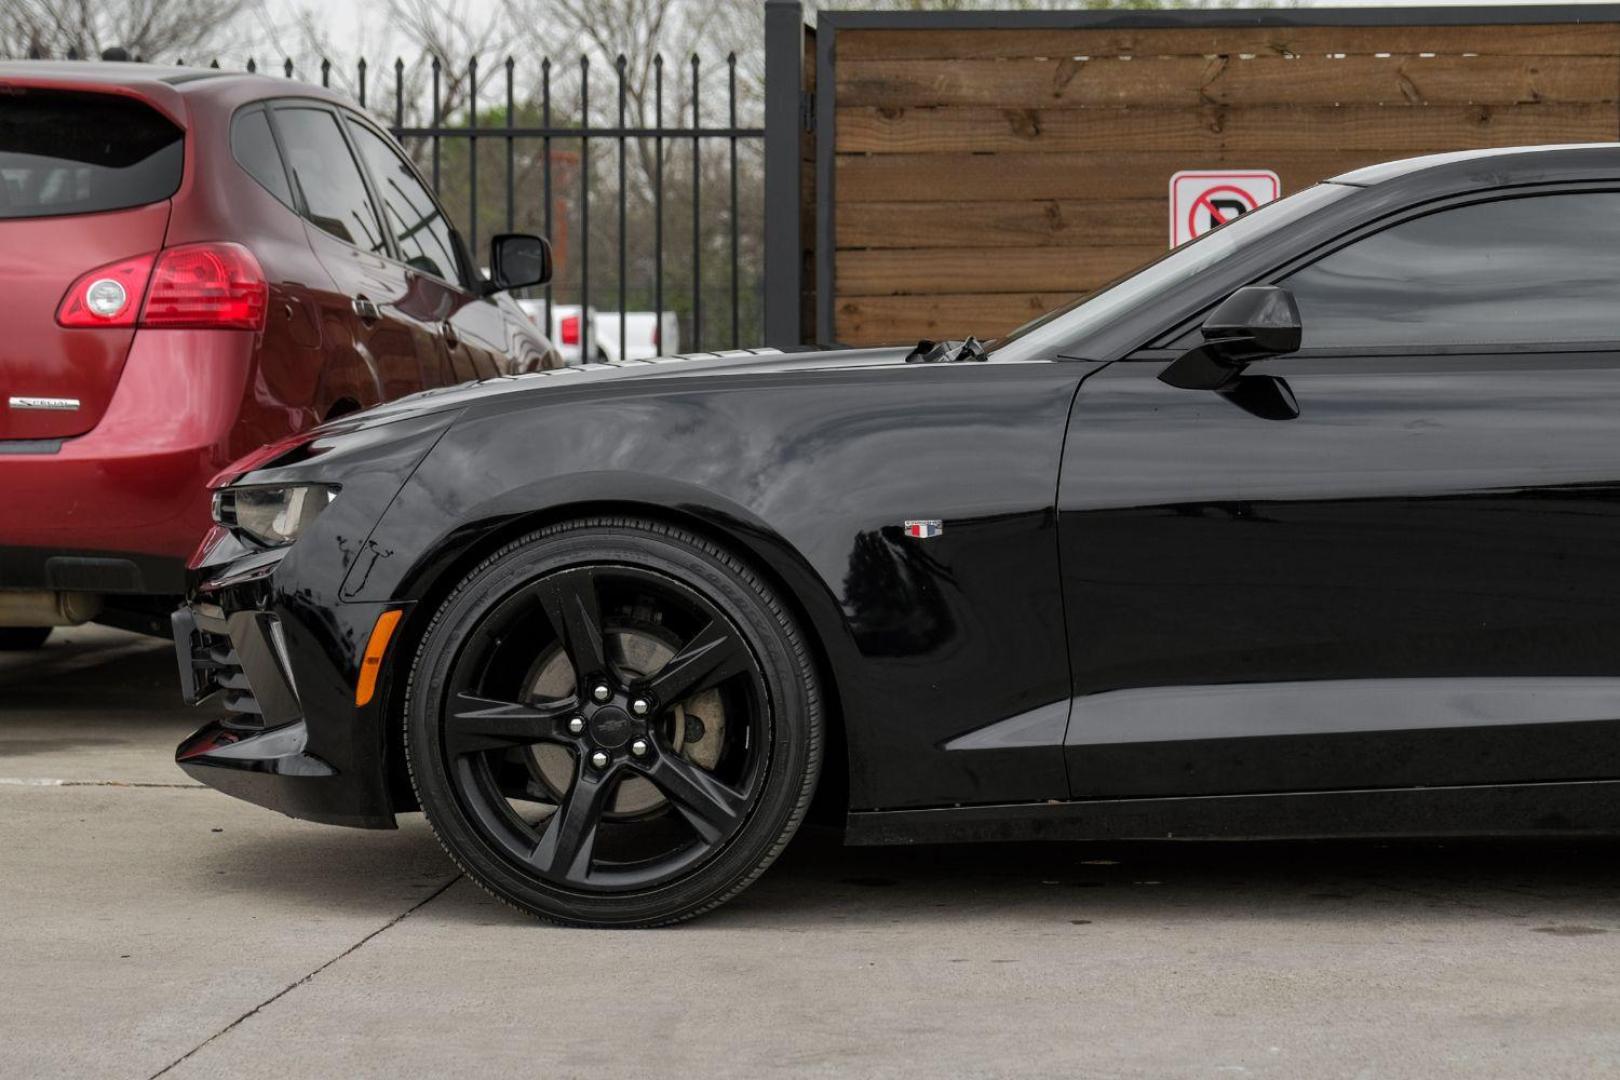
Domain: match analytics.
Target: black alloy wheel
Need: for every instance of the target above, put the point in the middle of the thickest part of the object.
(613, 722)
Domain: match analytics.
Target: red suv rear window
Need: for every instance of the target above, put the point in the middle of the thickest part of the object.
(73, 153)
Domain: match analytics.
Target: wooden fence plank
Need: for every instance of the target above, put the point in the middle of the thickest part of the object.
(1015, 176)
(1275, 130)
(1566, 39)
(876, 320)
(942, 270)
(1038, 223)
(1173, 81)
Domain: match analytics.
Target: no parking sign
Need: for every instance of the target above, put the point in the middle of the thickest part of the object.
(1200, 200)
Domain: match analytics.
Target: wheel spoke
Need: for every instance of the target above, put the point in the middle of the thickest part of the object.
(714, 654)
(569, 837)
(569, 599)
(713, 807)
(475, 724)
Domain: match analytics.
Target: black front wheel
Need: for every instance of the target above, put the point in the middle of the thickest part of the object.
(613, 722)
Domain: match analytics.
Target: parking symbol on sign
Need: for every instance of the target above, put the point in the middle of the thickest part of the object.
(1199, 201)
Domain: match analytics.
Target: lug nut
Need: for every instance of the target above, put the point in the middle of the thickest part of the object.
(577, 724)
(602, 692)
(639, 748)
(599, 759)
(641, 706)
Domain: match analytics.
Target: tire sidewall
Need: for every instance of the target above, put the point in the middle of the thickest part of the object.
(792, 724)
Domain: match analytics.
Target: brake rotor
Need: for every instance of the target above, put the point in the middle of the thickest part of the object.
(694, 729)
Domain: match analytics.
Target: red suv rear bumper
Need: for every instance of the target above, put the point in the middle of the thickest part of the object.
(133, 490)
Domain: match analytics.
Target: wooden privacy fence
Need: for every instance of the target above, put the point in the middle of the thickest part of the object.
(976, 169)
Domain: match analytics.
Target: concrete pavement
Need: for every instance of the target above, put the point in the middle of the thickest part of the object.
(151, 927)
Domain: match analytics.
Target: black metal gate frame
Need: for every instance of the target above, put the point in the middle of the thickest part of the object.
(786, 114)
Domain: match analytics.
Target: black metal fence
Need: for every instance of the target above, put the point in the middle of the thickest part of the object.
(554, 191)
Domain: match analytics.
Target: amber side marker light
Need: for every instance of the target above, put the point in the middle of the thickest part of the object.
(371, 664)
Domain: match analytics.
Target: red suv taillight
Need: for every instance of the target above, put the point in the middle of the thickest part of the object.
(107, 296)
(217, 286)
(570, 329)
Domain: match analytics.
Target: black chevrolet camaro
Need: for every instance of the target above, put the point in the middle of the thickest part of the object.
(1310, 528)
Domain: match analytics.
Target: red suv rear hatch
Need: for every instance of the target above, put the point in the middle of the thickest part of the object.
(85, 182)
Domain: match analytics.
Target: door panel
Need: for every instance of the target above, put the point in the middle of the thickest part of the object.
(1415, 582)
(388, 350)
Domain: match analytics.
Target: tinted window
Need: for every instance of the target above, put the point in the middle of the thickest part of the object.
(326, 173)
(424, 237)
(63, 153)
(1540, 269)
(255, 150)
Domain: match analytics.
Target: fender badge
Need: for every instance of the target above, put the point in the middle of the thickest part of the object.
(57, 404)
(924, 530)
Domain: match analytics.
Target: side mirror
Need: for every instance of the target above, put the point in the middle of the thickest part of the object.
(517, 260)
(1255, 323)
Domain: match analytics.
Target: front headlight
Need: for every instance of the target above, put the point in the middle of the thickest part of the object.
(272, 516)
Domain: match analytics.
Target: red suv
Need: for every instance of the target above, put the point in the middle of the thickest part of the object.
(193, 264)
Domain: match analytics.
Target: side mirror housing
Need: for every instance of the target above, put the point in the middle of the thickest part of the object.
(1255, 323)
(517, 260)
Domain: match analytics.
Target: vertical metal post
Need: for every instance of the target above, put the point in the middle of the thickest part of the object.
(784, 81)
(736, 323)
(623, 195)
(585, 320)
(472, 159)
(361, 69)
(658, 198)
(511, 162)
(437, 118)
(326, 72)
(697, 213)
(399, 94)
(545, 173)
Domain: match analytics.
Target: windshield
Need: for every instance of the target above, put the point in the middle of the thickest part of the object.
(1066, 325)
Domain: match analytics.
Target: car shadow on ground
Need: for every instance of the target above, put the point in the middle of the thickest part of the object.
(1558, 887)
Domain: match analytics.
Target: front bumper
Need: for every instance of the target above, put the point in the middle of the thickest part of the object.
(313, 756)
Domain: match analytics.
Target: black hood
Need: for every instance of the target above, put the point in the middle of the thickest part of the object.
(741, 362)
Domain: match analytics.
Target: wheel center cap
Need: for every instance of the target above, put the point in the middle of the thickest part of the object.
(611, 726)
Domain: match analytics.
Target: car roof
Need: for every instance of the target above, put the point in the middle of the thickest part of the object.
(1498, 165)
(161, 85)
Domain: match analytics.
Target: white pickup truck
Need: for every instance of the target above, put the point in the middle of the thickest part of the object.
(646, 333)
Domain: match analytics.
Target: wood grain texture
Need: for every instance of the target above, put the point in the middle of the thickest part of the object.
(1025, 176)
(1273, 130)
(889, 272)
(1225, 80)
(1567, 39)
(882, 320)
(1025, 223)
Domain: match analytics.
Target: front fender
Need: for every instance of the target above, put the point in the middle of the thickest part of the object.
(813, 474)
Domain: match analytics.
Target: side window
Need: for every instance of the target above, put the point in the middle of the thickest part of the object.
(326, 173)
(425, 239)
(255, 151)
(1538, 269)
